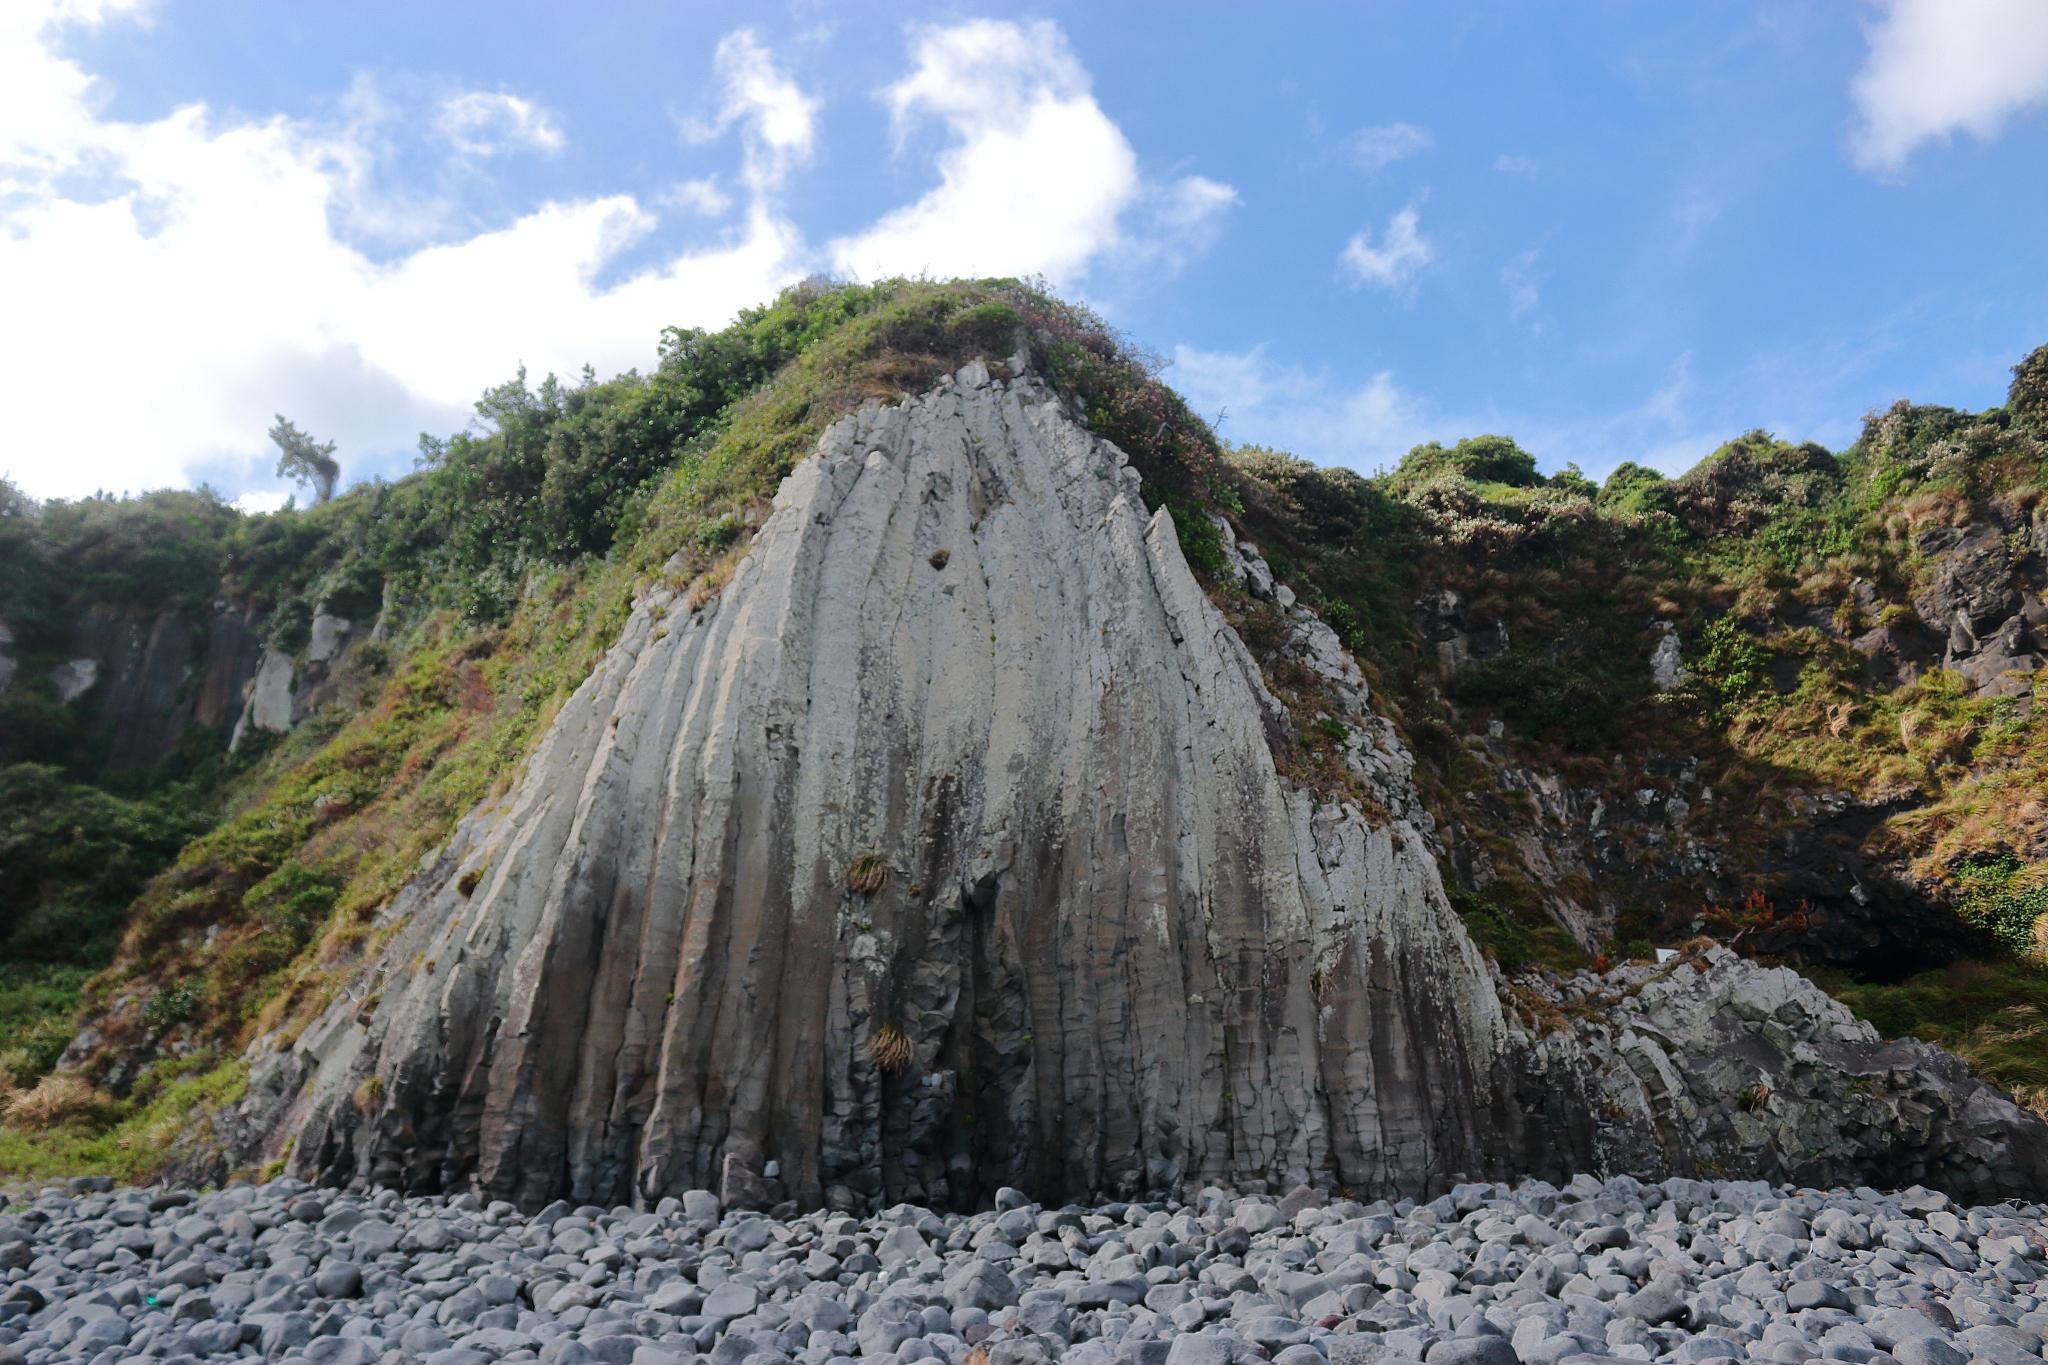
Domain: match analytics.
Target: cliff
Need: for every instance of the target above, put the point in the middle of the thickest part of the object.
(841, 766)
(943, 847)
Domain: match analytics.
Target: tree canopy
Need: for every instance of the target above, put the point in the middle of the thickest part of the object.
(305, 460)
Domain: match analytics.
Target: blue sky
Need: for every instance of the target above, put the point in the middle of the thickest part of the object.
(1615, 231)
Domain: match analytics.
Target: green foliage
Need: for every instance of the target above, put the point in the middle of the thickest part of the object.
(304, 460)
(171, 1005)
(1729, 668)
(718, 533)
(1201, 543)
(2003, 897)
(1634, 490)
(37, 1002)
(1478, 459)
(1567, 691)
(1506, 918)
(135, 1138)
(296, 900)
(71, 859)
(2027, 398)
(1752, 481)
(1992, 1014)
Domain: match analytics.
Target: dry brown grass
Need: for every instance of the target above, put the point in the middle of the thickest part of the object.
(891, 1048)
(867, 874)
(712, 581)
(57, 1098)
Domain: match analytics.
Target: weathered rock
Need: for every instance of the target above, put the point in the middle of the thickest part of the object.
(1713, 1061)
(270, 698)
(880, 874)
(74, 678)
(1107, 927)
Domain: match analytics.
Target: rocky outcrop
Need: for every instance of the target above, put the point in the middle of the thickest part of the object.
(1710, 1065)
(1979, 596)
(269, 705)
(147, 678)
(285, 690)
(944, 847)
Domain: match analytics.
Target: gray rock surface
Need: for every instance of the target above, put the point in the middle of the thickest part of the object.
(74, 678)
(269, 707)
(1107, 947)
(1712, 1062)
(1684, 1271)
(1123, 953)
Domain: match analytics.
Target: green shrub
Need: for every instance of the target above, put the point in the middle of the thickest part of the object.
(1201, 543)
(171, 1005)
(2004, 898)
(1478, 459)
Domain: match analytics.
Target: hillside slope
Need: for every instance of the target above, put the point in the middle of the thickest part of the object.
(1623, 713)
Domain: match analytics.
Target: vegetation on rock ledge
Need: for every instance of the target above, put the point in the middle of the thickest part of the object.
(214, 900)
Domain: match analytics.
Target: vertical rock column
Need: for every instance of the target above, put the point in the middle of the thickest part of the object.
(1111, 950)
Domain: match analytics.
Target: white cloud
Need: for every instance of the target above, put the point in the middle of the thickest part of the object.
(1524, 166)
(262, 500)
(210, 268)
(1376, 148)
(485, 123)
(1401, 253)
(1369, 424)
(779, 121)
(1523, 285)
(1939, 67)
(1365, 426)
(1036, 180)
(214, 239)
(701, 196)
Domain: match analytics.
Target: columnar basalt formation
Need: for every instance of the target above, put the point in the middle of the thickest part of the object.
(941, 849)
(938, 844)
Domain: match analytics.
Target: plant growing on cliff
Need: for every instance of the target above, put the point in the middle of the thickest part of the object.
(866, 874)
(890, 1048)
(304, 460)
(1756, 922)
(2004, 898)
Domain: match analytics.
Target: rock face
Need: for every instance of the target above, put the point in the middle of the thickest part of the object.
(1711, 1064)
(269, 706)
(943, 849)
(150, 677)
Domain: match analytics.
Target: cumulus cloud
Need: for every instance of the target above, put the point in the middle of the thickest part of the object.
(1939, 67)
(1036, 178)
(485, 123)
(779, 120)
(1376, 148)
(1402, 252)
(197, 256)
(211, 269)
(700, 196)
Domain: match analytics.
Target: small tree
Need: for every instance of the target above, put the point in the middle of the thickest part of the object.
(305, 460)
